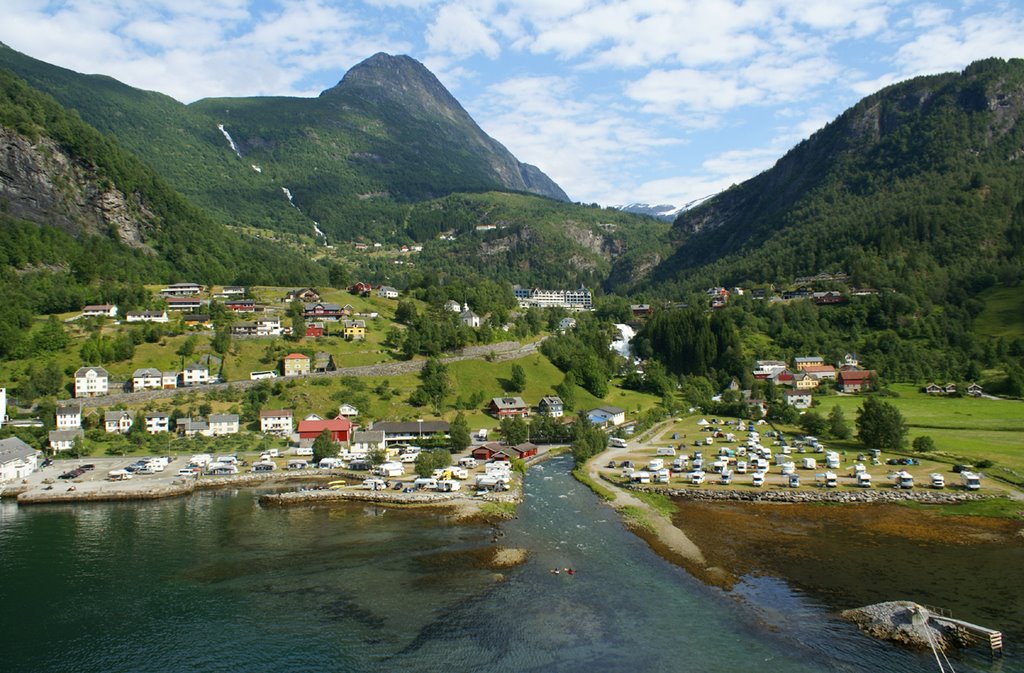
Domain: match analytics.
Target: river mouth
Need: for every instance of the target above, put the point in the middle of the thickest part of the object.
(848, 556)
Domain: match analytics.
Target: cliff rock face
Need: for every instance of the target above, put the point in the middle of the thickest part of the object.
(40, 183)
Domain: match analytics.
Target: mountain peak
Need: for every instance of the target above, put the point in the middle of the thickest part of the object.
(397, 78)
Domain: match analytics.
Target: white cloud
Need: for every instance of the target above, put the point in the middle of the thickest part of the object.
(695, 90)
(459, 31)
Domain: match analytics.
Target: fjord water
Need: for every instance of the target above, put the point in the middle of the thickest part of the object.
(213, 582)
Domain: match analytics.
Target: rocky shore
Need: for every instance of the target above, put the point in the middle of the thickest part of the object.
(817, 495)
(902, 622)
(389, 497)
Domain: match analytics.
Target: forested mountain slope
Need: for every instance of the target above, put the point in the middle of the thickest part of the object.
(351, 160)
(920, 185)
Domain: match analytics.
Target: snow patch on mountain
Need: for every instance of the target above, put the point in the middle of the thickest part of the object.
(220, 127)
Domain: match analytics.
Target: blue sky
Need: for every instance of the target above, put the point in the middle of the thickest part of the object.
(657, 101)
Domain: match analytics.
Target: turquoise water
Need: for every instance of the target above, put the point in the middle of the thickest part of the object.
(215, 583)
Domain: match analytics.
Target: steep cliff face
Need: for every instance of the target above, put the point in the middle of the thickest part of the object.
(40, 182)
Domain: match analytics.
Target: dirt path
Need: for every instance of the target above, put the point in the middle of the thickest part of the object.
(663, 535)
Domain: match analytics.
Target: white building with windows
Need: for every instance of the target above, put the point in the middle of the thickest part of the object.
(17, 459)
(223, 424)
(91, 381)
(64, 440)
(194, 375)
(146, 379)
(118, 421)
(3, 406)
(157, 423)
(276, 422)
(579, 299)
(69, 416)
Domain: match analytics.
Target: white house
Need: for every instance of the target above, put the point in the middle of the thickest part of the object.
(607, 415)
(91, 381)
(17, 459)
(223, 424)
(63, 440)
(146, 316)
(146, 379)
(69, 416)
(189, 427)
(98, 310)
(169, 380)
(3, 406)
(181, 290)
(347, 410)
(157, 423)
(118, 421)
(276, 422)
(801, 399)
(453, 306)
(566, 324)
(364, 441)
(194, 375)
(387, 292)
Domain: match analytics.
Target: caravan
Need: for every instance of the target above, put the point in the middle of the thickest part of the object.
(616, 442)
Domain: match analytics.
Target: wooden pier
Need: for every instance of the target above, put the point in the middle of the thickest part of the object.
(945, 618)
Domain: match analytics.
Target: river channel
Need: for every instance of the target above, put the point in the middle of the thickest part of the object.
(213, 582)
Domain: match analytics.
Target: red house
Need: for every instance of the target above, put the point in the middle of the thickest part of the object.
(487, 451)
(361, 289)
(241, 305)
(524, 450)
(315, 329)
(855, 381)
(340, 428)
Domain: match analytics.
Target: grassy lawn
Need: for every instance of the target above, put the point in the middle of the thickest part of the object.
(1003, 314)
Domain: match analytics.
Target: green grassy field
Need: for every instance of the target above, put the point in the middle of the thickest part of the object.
(1003, 314)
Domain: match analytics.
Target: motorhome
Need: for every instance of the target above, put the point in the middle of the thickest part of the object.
(390, 470)
(904, 479)
(832, 460)
(469, 462)
(617, 442)
(757, 479)
(938, 481)
(374, 484)
(449, 485)
(330, 463)
(655, 464)
(662, 476)
(831, 481)
(794, 481)
(741, 467)
(970, 480)
(697, 477)
(425, 483)
(726, 477)
(864, 480)
(810, 464)
(641, 477)
(788, 468)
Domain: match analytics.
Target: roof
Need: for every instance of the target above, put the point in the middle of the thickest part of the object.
(145, 371)
(550, 400)
(195, 366)
(367, 436)
(856, 374)
(115, 415)
(223, 418)
(196, 317)
(811, 369)
(84, 371)
(405, 427)
(276, 413)
(195, 424)
(340, 424)
(796, 393)
(608, 409)
(812, 358)
(69, 408)
(98, 307)
(64, 435)
(12, 449)
(296, 356)
(157, 414)
(508, 402)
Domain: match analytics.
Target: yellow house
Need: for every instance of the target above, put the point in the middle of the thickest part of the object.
(805, 381)
(296, 364)
(354, 329)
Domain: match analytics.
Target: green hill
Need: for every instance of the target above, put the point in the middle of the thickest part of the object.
(387, 135)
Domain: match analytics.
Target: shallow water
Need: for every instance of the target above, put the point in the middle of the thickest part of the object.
(215, 583)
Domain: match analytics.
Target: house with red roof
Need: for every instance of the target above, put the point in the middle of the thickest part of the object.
(296, 364)
(855, 381)
(340, 428)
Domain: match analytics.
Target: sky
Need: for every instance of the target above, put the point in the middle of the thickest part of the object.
(618, 101)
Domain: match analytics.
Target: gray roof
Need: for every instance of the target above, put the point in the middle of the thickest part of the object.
(223, 418)
(115, 415)
(195, 366)
(508, 402)
(608, 409)
(69, 408)
(195, 424)
(82, 371)
(157, 415)
(811, 358)
(550, 400)
(12, 449)
(145, 371)
(64, 435)
(367, 436)
(405, 427)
